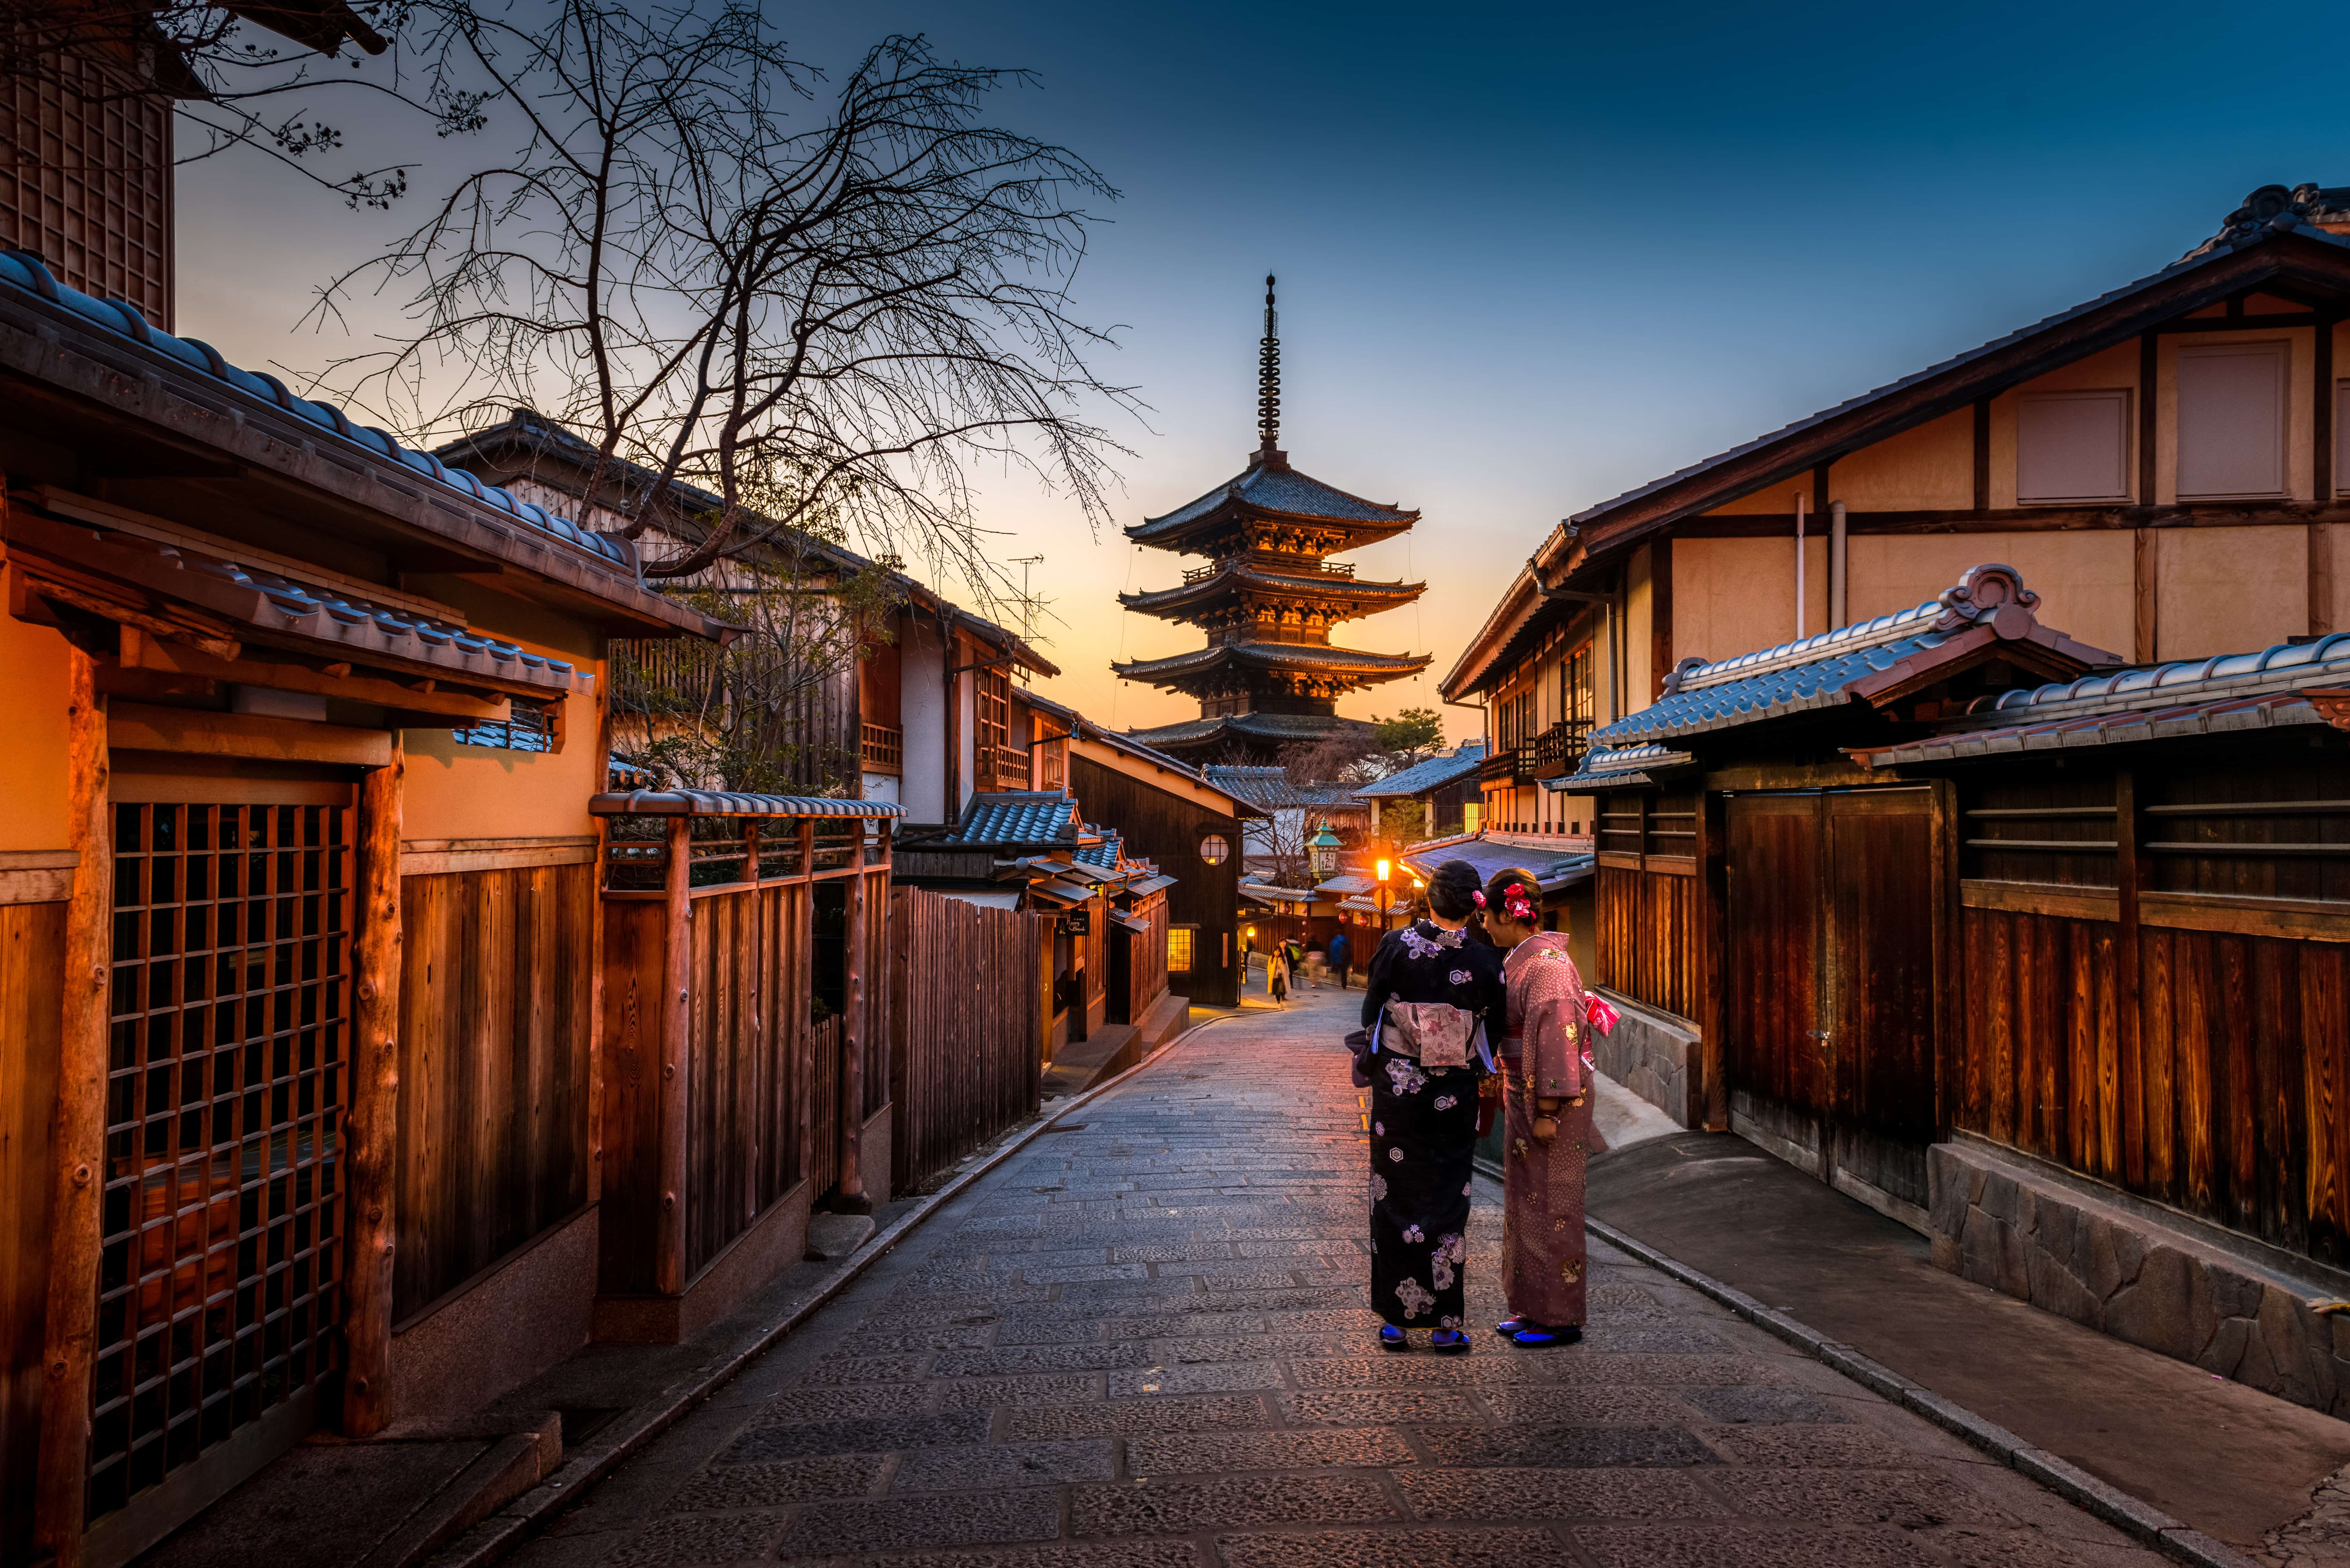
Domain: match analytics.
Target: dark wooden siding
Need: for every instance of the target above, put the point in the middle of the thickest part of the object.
(1166, 827)
(1647, 937)
(968, 990)
(494, 1090)
(32, 973)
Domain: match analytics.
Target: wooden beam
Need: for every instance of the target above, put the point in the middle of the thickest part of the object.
(2324, 482)
(77, 1130)
(1981, 456)
(2149, 378)
(2145, 560)
(1661, 617)
(140, 728)
(371, 1126)
(2127, 884)
(421, 695)
(1712, 903)
(677, 1044)
(851, 1199)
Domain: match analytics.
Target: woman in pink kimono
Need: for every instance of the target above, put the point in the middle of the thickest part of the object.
(1546, 1118)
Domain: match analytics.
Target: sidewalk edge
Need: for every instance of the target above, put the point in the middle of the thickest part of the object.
(2069, 1481)
(507, 1530)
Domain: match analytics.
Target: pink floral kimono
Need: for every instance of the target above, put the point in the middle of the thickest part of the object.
(1545, 1057)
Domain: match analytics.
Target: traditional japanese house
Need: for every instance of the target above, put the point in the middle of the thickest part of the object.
(301, 1059)
(2163, 463)
(1176, 817)
(1446, 791)
(2042, 955)
(1284, 815)
(1268, 598)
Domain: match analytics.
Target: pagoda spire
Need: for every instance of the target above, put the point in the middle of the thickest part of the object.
(1268, 380)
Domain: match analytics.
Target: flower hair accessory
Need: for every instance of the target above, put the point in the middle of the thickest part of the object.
(1516, 903)
(1478, 897)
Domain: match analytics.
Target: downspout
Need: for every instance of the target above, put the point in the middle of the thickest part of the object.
(1839, 612)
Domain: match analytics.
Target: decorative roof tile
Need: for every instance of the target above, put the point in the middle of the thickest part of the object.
(1278, 488)
(1015, 817)
(724, 803)
(1435, 773)
(1269, 789)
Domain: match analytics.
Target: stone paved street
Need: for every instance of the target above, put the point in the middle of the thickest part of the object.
(1143, 1343)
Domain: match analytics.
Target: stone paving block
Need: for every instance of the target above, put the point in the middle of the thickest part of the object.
(1257, 1347)
(1207, 1453)
(1175, 1252)
(1050, 1331)
(1517, 1548)
(1157, 1326)
(1557, 1494)
(875, 1340)
(1971, 1548)
(1359, 1321)
(1732, 1405)
(1746, 1546)
(699, 1538)
(1640, 1336)
(1555, 1446)
(1005, 1465)
(1105, 1555)
(1164, 1507)
(1043, 1389)
(761, 1444)
(1673, 1371)
(1087, 1273)
(1015, 1358)
(1401, 1406)
(779, 1485)
(1593, 1405)
(967, 1519)
(1121, 1418)
(1417, 1370)
(872, 1399)
(1212, 1378)
(1911, 1499)
(1277, 1300)
(1845, 1446)
(856, 1369)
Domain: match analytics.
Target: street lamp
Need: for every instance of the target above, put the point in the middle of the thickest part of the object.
(1385, 868)
(1322, 850)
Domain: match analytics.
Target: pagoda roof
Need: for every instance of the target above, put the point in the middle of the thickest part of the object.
(1271, 489)
(1239, 576)
(1256, 728)
(1312, 656)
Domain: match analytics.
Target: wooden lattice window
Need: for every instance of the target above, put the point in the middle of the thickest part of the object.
(1574, 701)
(221, 1268)
(994, 709)
(86, 182)
(1181, 943)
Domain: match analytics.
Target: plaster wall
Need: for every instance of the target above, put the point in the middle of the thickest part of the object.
(1931, 468)
(922, 787)
(1640, 673)
(2084, 579)
(1735, 595)
(33, 762)
(2299, 415)
(2230, 590)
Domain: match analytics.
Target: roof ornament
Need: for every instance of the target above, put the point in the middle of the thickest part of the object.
(1991, 595)
(1681, 672)
(2270, 211)
(1268, 378)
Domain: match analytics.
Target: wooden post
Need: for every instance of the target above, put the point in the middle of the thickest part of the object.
(677, 1020)
(851, 1199)
(77, 1137)
(2146, 638)
(2127, 1049)
(1712, 921)
(372, 1124)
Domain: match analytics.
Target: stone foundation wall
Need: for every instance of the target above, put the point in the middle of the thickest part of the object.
(1654, 1055)
(2109, 1262)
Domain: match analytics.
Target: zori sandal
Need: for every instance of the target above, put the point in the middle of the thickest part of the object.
(1448, 1342)
(1393, 1338)
(1536, 1335)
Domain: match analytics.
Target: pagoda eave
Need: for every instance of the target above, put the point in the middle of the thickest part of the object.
(1345, 598)
(1304, 661)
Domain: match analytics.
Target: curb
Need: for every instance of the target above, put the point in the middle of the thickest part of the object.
(2067, 1481)
(505, 1531)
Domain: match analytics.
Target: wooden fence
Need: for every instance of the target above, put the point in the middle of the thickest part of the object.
(967, 990)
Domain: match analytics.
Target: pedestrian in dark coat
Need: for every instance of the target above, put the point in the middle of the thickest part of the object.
(1340, 955)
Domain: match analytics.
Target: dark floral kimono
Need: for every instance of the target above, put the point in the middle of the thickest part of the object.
(1424, 1125)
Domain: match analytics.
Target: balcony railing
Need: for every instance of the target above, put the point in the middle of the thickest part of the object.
(884, 748)
(1289, 566)
(1004, 767)
(1559, 750)
(1499, 768)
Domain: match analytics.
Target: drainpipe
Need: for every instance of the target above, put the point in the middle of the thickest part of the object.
(1799, 566)
(1840, 613)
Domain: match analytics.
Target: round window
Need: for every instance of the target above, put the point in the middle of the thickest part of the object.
(1214, 850)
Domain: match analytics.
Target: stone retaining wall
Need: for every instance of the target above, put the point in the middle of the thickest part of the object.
(2119, 1265)
(1654, 1055)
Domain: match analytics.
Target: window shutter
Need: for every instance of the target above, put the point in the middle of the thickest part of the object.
(2073, 446)
(2232, 412)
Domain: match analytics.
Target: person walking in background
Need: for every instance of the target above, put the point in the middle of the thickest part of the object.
(1430, 998)
(1546, 1132)
(1276, 973)
(1340, 953)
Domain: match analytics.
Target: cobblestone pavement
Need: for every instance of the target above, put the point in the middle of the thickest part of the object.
(1143, 1343)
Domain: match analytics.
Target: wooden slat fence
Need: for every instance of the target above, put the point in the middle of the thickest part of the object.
(967, 985)
(1647, 937)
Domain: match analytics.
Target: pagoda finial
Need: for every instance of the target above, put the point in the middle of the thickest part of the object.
(1268, 376)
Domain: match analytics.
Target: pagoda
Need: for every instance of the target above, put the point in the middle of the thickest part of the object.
(1270, 676)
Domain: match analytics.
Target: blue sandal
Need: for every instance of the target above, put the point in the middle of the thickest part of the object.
(1393, 1338)
(1512, 1325)
(1536, 1335)
(1448, 1342)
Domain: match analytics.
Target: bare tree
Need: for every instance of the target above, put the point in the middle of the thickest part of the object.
(821, 305)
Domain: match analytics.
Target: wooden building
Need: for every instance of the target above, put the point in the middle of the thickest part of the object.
(2039, 953)
(2163, 463)
(305, 731)
(1446, 790)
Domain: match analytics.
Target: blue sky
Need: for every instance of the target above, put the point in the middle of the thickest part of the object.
(1531, 256)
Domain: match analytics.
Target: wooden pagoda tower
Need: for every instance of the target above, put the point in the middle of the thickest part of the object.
(1270, 676)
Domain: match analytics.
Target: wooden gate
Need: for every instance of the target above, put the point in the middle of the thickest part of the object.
(968, 994)
(1835, 925)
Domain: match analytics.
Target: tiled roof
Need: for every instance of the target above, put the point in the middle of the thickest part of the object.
(1554, 870)
(1016, 816)
(1103, 855)
(1352, 882)
(1435, 773)
(1273, 655)
(1279, 728)
(22, 271)
(1269, 789)
(1239, 574)
(1277, 487)
(722, 803)
(1625, 766)
(1087, 728)
(1822, 671)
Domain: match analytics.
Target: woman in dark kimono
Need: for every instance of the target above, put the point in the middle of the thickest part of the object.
(1424, 1117)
